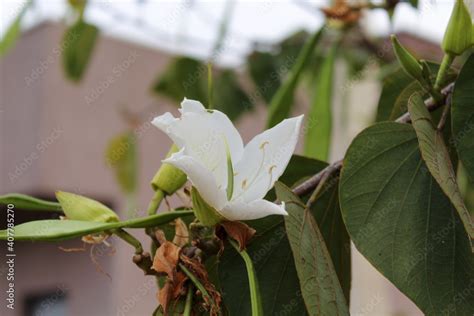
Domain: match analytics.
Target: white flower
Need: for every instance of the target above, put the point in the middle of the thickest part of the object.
(230, 178)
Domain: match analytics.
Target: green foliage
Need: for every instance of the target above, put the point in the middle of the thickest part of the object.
(121, 156)
(397, 88)
(319, 283)
(400, 220)
(263, 68)
(78, 43)
(436, 156)
(272, 255)
(56, 230)
(393, 85)
(29, 203)
(229, 97)
(282, 101)
(462, 116)
(457, 37)
(319, 122)
(10, 37)
(81, 208)
(184, 77)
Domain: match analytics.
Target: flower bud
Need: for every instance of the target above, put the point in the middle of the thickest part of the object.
(81, 208)
(168, 178)
(205, 213)
(458, 35)
(408, 62)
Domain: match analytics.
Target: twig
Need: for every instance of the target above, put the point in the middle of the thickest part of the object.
(310, 184)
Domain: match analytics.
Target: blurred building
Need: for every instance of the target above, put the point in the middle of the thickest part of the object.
(53, 134)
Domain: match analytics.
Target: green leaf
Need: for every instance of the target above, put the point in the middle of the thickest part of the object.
(121, 156)
(401, 221)
(462, 116)
(393, 85)
(78, 42)
(397, 89)
(29, 203)
(271, 253)
(10, 36)
(263, 70)
(318, 136)
(282, 101)
(319, 282)
(229, 97)
(436, 156)
(55, 230)
(184, 77)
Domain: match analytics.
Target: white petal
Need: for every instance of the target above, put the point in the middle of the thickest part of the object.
(238, 210)
(164, 123)
(201, 177)
(264, 160)
(204, 135)
(192, 106)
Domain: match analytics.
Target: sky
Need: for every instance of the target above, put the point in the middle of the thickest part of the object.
(190, 27)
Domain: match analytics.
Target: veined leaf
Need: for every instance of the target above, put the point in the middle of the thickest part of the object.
(272, 256)
(319, 282)
(436, 156)
(462, 116)
(78, 42)
(28, 203)
(280, 105)
(55, 230)
(318, 137)
(401, 221)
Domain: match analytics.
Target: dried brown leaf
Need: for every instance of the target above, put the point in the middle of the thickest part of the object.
(240, 232)
(181, 235)
(166, 259)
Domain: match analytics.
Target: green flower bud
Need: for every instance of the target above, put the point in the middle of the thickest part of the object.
(458, 35)
(205, 213)
(168, 178)
(409, 63)
(81, 208)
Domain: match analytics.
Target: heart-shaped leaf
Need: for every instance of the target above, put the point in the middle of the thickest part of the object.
(400, 220)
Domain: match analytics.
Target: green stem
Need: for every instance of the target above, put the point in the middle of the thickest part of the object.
(197, 283)
(155, 202)
(443, 70)
(253, 282)
(189, 302)
(209, 85)
(124, 235)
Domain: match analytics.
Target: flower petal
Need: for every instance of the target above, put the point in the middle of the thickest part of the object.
(241, 211)
(264, 160)
(192, 106)
(201, 177)
(205, 136)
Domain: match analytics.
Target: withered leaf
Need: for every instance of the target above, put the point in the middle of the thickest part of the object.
(181, 235)
(240, 232)
(166, 259)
